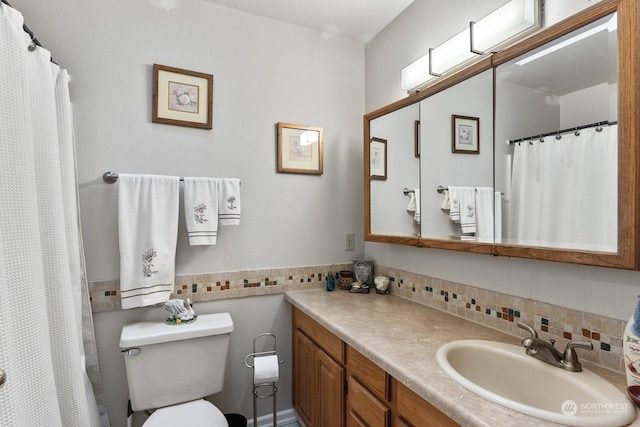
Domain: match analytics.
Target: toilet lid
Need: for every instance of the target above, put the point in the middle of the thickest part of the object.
(198, 413)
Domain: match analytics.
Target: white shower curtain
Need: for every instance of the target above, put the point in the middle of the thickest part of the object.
(564, 192)
(47, 346)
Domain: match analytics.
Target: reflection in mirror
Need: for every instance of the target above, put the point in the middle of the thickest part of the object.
(456, 128)
(557, 170)
(393, 212)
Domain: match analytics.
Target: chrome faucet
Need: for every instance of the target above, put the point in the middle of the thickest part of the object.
(548, 353)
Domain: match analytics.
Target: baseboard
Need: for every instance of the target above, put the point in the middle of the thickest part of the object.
(283, 418)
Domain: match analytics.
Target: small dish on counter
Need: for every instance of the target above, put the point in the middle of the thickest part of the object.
(634, 393)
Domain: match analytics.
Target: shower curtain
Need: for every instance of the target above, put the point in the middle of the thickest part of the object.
(47, 344)
(564, 192)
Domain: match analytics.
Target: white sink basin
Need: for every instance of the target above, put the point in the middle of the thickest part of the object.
(504, 374)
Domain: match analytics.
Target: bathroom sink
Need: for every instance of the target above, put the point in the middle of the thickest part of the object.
(505, 374)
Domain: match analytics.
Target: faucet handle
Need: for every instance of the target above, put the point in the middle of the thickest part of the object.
(528, 328)
(570, 358)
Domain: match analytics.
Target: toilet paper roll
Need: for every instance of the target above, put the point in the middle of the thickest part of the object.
(265, 369)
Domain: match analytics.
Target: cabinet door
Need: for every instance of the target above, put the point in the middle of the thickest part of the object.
(417, 412)
(304, 386)
(364, 409)
(330, 378)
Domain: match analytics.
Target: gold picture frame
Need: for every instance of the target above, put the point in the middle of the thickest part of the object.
(182, 97)
(300, 149)
(465, 135)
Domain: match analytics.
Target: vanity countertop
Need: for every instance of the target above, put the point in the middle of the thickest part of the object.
(402, 337)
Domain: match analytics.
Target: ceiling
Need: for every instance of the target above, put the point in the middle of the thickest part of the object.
(358, 20)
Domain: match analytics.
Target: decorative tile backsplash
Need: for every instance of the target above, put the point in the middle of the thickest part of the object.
(493, 309)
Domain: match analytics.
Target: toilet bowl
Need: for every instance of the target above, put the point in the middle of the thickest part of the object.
(198, 413)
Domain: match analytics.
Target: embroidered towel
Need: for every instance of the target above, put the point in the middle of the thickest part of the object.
(201, 210)
(454, 204)
(148, 230)
(467, 201)
(484, 207)
(229, 201)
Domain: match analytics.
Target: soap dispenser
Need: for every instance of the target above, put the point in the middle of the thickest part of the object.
(631, 347)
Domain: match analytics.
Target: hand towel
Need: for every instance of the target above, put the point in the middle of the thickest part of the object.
(467, 201)
(498, 217)
(446, 203)
(411, 207)
(201, 210)
(229, 201)
(454, 204)
(148, 230)
(416, 212)
(484, 213)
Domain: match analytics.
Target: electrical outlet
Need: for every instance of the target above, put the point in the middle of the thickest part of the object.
(349, 241)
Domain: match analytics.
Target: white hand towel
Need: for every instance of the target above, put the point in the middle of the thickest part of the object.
(229, 201)
(416, 212)
(484, 208)
(454, 204)
(446, 203)
(201, 210)
(467, 209)
(411, 207)
(148, 230)
(498, 217)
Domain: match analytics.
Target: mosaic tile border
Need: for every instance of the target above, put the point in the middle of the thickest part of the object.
(105, 295)
(502, 311)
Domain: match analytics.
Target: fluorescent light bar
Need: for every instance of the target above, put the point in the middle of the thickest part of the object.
(505, 23)
(451, 53)
(416, 73)
(611, 25)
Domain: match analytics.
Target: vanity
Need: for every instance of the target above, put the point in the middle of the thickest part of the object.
(506, 125)
(381, 369)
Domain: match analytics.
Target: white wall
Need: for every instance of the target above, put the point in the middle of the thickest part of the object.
(608, 292)
(264, 72)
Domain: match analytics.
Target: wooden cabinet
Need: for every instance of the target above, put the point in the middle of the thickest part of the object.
(318, 374)
(335, 386)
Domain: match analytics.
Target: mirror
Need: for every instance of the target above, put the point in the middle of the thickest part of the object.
(557, 108)
(589, 76)
(457, 142)
(394, 172)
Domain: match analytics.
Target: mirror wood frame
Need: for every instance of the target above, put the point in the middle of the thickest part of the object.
(627, 256)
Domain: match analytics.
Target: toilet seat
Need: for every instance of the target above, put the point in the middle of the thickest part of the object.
(197, 413)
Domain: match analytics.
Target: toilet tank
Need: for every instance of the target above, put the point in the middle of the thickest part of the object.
(170, 364)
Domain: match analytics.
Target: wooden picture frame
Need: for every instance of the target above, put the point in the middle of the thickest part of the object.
(465, 134)
(182, 97)
(416, 139)
(378, 158)
(300, 149)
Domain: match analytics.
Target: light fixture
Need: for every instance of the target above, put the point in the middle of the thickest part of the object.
(610, 25)
(504, 25)
(416, 73)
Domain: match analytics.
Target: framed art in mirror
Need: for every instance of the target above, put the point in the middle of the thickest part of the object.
(465, 134)
(378, 158)
(300, 149)
(182, 97)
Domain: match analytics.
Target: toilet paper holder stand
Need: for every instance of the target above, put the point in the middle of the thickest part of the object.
(266, 389)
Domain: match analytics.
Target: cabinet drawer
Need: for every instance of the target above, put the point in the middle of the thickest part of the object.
(363, 408)
(324, 339)
(416, 411)
(369, 374)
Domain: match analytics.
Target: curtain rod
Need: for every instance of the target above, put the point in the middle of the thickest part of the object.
(34, 41)
(563, 131)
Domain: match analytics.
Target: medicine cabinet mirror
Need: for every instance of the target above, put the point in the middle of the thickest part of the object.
(558, 120)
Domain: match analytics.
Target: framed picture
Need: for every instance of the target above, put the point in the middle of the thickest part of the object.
(363, 271)
(378, 158)
(465, 133)
(299, 149)
(182, 97)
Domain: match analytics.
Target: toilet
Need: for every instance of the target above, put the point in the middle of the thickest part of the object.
(171, 368)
